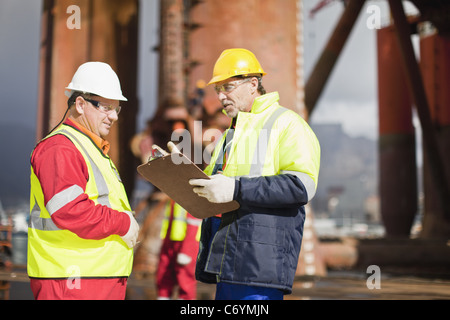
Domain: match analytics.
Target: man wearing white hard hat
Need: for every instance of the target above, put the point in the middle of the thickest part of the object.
(82, 231)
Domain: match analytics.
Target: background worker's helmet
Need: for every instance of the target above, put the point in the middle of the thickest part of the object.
(97, 78)
(235, 62)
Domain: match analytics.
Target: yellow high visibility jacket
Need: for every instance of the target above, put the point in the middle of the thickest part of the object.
(180, 220)
(56, 253)
(268, 141)
(259, 243)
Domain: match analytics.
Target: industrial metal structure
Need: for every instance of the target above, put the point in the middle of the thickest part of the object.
(194, 32)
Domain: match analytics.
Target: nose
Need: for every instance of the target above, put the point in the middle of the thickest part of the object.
(113, 116)
(221, 96)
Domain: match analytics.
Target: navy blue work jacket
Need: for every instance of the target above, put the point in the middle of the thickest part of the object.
(258, 244)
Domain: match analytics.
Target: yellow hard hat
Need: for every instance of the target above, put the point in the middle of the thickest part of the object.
(235, 62)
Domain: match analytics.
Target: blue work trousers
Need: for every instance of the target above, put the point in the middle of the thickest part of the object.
(230, 291)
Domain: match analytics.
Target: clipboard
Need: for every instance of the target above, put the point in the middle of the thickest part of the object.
(173, 179)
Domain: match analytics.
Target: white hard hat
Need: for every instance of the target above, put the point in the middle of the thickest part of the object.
(97, 78)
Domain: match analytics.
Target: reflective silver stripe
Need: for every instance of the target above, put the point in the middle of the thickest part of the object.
(62, 198)
(307, 181)
(228, 145)
(38, 223)
(261, 146)
(102, 187)
(69, 194)
(194, 222)
(183, 219)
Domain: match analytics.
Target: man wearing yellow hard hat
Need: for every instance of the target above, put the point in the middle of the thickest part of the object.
(268, 160)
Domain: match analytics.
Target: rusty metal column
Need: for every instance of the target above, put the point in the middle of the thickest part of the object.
(300, 81)
(126, 31)
(171, 89)
(325, 64)
(98, 38)
(112, 39)
(268, 28)
(397, 154)
(417, 91)
(42, 125)
(61, 54)
(171, 54)
(435, 67)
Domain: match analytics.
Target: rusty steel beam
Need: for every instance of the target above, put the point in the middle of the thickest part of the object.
(435, 68)
(43, 108)
(171, 87)
(267, 28)
(108, 32)
(327, 60)
(417, 91)
(397, 154)
(126, 31)
(171, 54)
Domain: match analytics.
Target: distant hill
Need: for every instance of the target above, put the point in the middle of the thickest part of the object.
(16, 142)
(349, 171)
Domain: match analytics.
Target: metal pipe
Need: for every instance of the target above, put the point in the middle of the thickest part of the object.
(43, 107)
(417, 91)
(397, 154)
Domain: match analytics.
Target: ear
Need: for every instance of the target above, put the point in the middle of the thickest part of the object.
(80, 104)
(255, 84)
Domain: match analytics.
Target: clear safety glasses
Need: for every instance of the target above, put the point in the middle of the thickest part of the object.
(230, 86)
(104, 107)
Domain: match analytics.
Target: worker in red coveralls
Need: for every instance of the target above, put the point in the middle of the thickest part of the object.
(82, 231)
(181, 234)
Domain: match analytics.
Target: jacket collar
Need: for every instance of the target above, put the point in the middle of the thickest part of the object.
(261, 103)
(102, 144)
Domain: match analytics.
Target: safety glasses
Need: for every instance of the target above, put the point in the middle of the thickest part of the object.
(230, 86)
(103, 107)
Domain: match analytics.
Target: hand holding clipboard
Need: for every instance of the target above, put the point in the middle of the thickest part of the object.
(171, 172)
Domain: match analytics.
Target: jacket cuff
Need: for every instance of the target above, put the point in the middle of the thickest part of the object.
(124, 227)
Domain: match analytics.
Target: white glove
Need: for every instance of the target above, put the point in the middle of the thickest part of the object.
(183, 259)
(172, 147)
(219, 189)
(130, 237)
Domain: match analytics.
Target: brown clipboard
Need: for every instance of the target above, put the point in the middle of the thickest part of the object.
(173, 178)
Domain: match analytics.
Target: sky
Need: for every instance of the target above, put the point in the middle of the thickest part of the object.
(349, 98)
(19, 58)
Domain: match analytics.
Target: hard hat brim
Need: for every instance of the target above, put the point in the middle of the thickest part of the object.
(222, 77)
(115, 97)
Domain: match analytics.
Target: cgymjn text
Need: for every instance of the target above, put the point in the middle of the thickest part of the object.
(229, 309)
